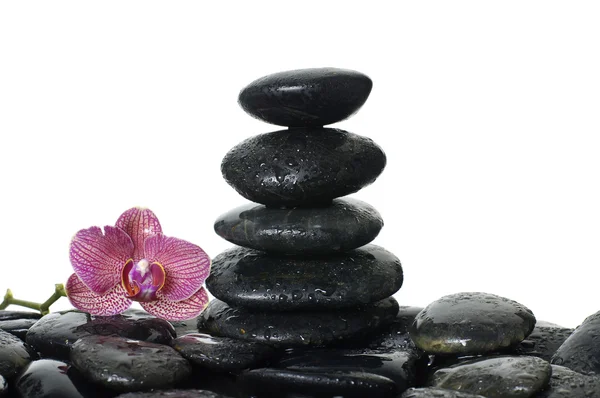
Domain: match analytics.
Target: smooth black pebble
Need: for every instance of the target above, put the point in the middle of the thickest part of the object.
(46, 378)
(565, 383)
(581, 350)
(543, 341)
(14, 355)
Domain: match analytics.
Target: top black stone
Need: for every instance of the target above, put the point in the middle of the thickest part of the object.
(306, 97)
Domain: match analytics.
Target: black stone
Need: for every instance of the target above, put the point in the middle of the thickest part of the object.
(222, 353)
(14, 355)
(173, 394)
(433, 392)
(54, 334)
(122, 364)
(543, 341)
(344, 225)
(302, 166)
(297, 328)
(46, 378)
(581, 351)
(258, 280)
(395, 335)
(286, 383)
(306, 97)
(17, 327)
(471, 323)
(566, 383)
(496, 377)
(12, 315)
(186, 327)
(3, 386)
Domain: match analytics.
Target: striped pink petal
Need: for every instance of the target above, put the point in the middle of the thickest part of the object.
(139, 224)
(110, 303)
(98, 258)
(186, 265)
(178, 310)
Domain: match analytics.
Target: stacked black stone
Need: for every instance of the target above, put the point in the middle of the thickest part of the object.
(303, 273)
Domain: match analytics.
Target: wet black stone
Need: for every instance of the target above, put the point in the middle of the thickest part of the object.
(496, 377)
(222, 353)
(543, 342)
(306, 97)
(284, 383)
(397, 365)
(54, 334)
(173, 394)
(395, 335)
(566, 383)
(581, 351)
(258, 280)
(122, 364)
(186, 327)
(297, 328)
(3, 386)
(46, 378)
(433, 392)
(12, 315)
(471, 323)
(302, 166)
(17, 327)
(14, 355)
(344, 225)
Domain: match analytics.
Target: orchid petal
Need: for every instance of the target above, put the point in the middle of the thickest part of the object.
(110, 303)
(139, 224)
(178, 310)
(186, 265)
(98, 258)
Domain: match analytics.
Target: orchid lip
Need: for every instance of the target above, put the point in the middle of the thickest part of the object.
(142, 280)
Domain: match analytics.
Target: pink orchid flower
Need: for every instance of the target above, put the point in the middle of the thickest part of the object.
(134, 261)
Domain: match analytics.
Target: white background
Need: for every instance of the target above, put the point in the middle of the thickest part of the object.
(488, 113)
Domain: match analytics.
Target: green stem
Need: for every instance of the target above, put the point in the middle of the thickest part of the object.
(43, 308)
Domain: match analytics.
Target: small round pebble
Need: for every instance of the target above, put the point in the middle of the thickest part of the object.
(566, 383)
(123, 364)
(306, 97)
(343, 225)
(395, 335)
(17, 327)
(46, 378)
(302, 167)
(432, 392)
(296, 328)
(496, 377)
(14, 355)
(581, 350)
(258, 280)
(471, 323)
(222, 353)
(543, 341)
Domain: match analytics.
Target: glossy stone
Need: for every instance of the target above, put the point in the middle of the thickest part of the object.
(3, 386)
(581, 351)
(12, 315)
(186, 327)
(14, 355)
(306, 97)
(222, 353)
(395, 335)
(471, 323)
(173, 394)
(543, 341)
(297, 328)
(302, 166)
(54, 334)
(268, 382)
(123, 364)
(17, 327)
(344, 225)
(46, 378)
(566, 383)
(433, 392)
(496, 377)
(259, 280)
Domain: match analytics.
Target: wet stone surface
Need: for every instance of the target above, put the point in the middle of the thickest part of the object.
(46, 378)
(12, 315)
(302, 166)
(54, 334)
(543, 341)
(432, 392)
(222, 353)
(122, 364)
(258, 280)
(471, 323)
(3, 386)
(173, 394)
(395, 335)
(306, 97)
(17, 327)
(581, 350)
(566, 383)
(344, 225)
(297, 328)
(496, 377)
(14, 355)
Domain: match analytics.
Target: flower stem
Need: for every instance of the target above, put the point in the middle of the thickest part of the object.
(43, 308)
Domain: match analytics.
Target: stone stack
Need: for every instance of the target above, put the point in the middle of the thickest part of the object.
(303, 272)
